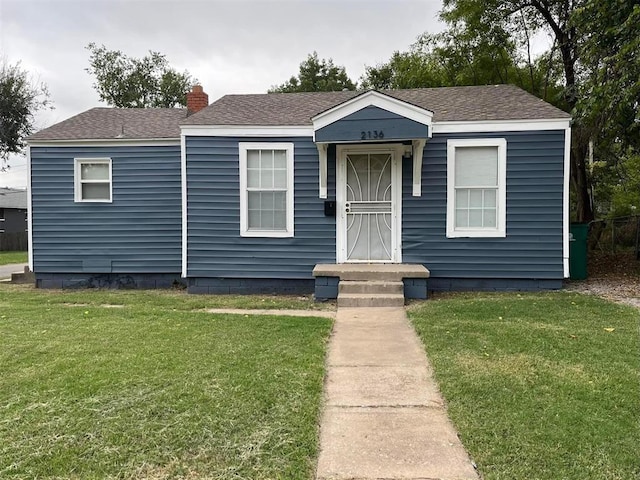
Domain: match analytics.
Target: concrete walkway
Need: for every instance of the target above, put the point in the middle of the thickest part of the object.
(384, 417)
(7, 270)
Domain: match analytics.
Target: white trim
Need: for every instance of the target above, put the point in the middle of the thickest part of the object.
(183, 194)
(376, 99)
(143, 142)
(396, 150)
(242, 150)
(77, 179)
(308, 130)
(417, 154)
(565, 202)
(500, 230)
(247, 131)
(397, 183)
(322, 169)
(29, 211)
(499, 126)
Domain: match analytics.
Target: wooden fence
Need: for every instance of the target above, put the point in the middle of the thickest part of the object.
(17, 242)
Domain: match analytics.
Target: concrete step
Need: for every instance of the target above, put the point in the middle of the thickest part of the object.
(370, 287)
(369, 300)
(363, 275)
(23, 277)
(389, 272)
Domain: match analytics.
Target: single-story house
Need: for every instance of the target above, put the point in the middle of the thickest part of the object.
(13, 219)
(250, 193)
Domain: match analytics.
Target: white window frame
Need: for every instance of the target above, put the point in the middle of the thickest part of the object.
(244, 193)
(79, 182)
(475, 232)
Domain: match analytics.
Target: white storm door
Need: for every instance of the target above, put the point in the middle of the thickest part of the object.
(369, 227)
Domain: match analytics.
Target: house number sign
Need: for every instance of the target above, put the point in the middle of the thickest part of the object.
(371, 135)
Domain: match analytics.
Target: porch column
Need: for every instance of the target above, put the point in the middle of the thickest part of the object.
(418, 149)
(322, 165)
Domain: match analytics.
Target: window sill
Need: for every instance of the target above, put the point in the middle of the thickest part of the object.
(266, 234)
(476, 234)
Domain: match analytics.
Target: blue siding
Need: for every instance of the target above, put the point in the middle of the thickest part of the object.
(371, 119)
(532, 248)
(244, 286)
(215, 247)
(139, 232)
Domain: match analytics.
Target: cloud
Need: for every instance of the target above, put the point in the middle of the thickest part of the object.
(16, 175)
(233, 46)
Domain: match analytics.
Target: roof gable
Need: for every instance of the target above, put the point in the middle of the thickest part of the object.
(372, 98)
(370, 123)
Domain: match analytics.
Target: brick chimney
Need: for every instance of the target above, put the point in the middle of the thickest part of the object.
(196, 99)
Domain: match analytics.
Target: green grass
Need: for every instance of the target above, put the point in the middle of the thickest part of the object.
(107, 384)
(172, 299)
(538, 385)
(13, 257)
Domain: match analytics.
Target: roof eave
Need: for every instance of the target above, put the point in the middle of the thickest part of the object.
(102, 141)
(518, 125)
(247, 130)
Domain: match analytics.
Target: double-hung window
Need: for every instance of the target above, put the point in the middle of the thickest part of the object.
(93, 180)
(476, 187)
(266, 189)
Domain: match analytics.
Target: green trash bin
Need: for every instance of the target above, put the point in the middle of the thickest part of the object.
(578, 234)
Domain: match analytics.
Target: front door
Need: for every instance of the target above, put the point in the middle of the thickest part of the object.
(368, 201)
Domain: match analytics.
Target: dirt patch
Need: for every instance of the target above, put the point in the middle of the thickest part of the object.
(615, 277)
(613, 265)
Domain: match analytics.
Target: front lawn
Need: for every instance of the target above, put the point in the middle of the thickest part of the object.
(540, 386)
(7, 258)
(107, 384)
(177, 299)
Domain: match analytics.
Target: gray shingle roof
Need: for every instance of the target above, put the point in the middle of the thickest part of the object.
(478, 103)
(13, 198)
(117, 123)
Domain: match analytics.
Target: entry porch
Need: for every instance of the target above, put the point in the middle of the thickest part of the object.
(360, 284)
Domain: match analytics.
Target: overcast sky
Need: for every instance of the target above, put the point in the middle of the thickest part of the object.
(230, 46)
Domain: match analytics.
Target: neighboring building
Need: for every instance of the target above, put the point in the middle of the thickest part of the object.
(13, 219)
(251, 192)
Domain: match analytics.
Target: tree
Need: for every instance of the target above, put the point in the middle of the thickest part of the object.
(20, 98)
(145, 82)
(608, 101)
(419, 67)
(559, 19)
(458, 57)
(317, 75)
(598, 50)
(489, 41)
